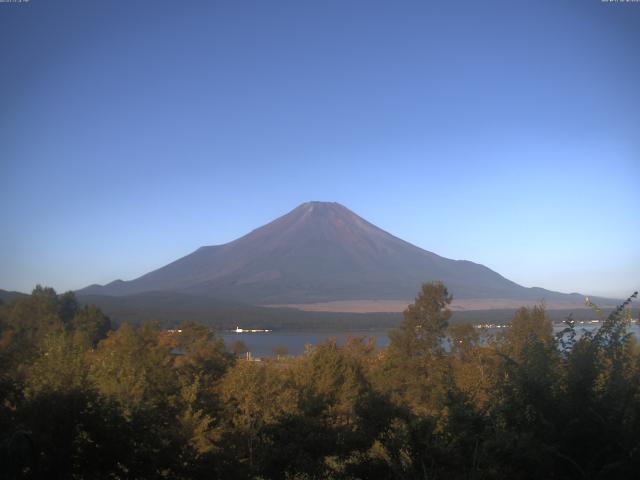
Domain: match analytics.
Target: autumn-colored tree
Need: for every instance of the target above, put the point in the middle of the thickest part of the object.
(27, 322)
(414, 369)
(425, 321)
(256, 396)
(79, 400)
(89, 325)
(135, 369)
(201, 361)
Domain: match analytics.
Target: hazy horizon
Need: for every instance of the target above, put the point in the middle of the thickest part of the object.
(503, 133)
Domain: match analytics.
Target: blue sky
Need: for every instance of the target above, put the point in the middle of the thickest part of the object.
(502, 132)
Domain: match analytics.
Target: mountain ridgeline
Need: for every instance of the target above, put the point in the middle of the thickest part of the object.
(321, 252)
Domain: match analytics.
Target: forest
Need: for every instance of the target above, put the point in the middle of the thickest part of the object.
(80, 399)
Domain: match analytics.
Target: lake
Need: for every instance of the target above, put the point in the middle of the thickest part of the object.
(262, 344)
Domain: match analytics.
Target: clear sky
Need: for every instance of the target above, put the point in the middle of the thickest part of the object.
(502, 132)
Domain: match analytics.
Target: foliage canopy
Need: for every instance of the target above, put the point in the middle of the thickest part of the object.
(80, 400)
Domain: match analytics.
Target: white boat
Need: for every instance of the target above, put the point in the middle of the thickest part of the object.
(245, 330)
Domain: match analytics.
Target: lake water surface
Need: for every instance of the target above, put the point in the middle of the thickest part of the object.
(263, 344)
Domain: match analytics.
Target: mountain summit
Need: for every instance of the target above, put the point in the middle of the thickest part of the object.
(321, 252)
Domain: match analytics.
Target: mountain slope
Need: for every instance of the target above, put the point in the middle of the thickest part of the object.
(321, 252)
(8, 297)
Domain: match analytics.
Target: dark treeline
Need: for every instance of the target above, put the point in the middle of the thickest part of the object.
(168, 308)
(81, 400)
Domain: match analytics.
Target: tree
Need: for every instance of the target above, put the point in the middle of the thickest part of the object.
(131, 367)
(530, 329)
(74, 431)
(27, 322)
(90, 325)
(135, 370)
(464, 340)
(201, 363)
(67, 307)
(601, 395)
(414, 369)
(202, 353)
(425, 321)
(256, 395)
